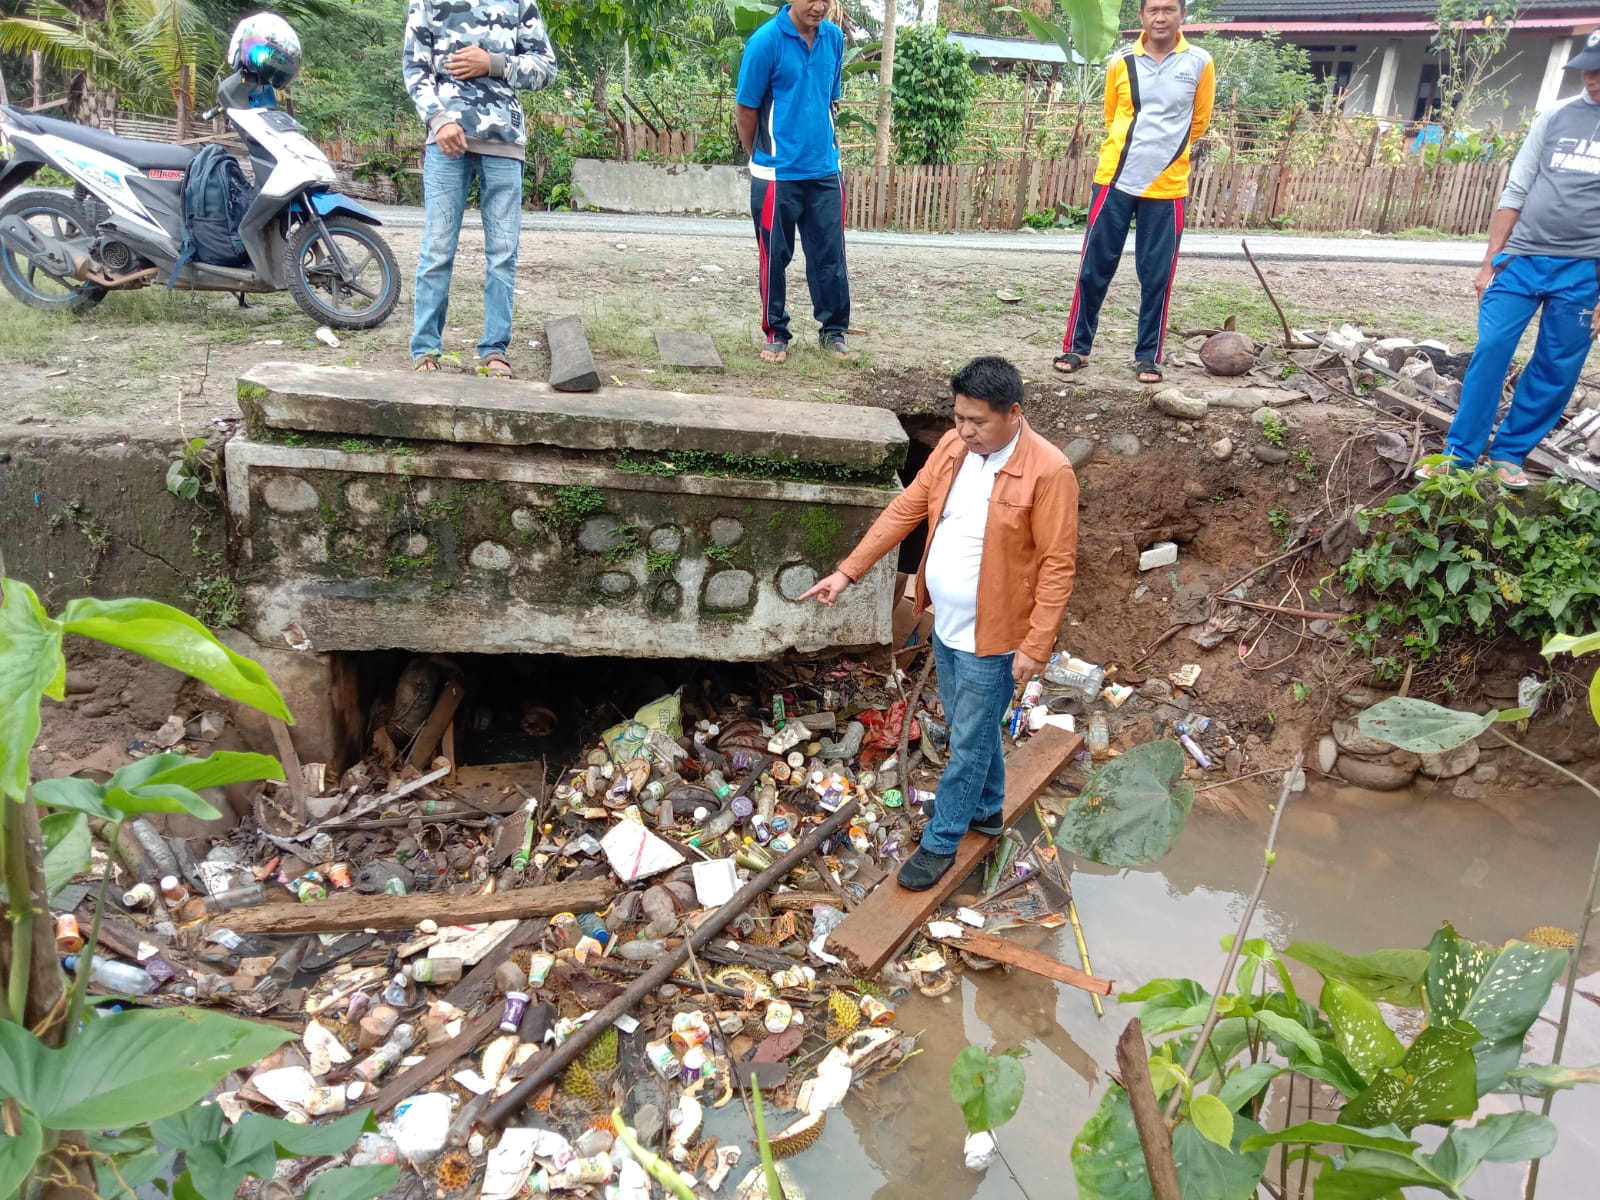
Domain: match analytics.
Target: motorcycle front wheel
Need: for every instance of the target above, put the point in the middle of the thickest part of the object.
(55, 217)
(365, 299)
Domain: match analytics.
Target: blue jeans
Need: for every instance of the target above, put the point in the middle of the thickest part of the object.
(445, 184)
(976, 693)
(1567, 289)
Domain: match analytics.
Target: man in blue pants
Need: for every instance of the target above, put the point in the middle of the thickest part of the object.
(1544, 252)
(790, 81)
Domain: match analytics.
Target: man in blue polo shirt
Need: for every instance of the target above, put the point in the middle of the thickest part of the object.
(789, 85)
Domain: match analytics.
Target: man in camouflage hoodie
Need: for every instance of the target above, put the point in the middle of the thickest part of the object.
(464, 62)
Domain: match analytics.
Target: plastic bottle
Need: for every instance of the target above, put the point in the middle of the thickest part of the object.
(717, 824)
(158, 856)
(715, 781)
(386, 1055)
(435, 970)
(1076, 676)
(594, 927)
(123, 978)
(642, 949)
(1098, 738)
(248, 896)
(395, 993)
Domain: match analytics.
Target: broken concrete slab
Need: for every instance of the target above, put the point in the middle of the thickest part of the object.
(688, 351)
(572, 365)
(446, 407)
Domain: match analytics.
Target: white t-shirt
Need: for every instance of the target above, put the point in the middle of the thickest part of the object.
(957, 551)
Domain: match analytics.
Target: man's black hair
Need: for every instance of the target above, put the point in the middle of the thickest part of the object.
(1182, 5)
(993, 380)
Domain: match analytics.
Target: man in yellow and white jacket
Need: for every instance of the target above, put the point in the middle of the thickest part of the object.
(1159, 94)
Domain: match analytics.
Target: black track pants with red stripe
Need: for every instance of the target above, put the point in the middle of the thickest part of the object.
(815, 209)
(1155, 255)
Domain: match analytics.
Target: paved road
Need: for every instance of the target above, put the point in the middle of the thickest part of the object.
(1195, 245)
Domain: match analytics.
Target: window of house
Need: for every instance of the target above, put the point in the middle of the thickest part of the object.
(1427, 93)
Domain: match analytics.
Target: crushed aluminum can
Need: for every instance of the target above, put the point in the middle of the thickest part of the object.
(876, 1011)
(893, 798)
(780, 1015)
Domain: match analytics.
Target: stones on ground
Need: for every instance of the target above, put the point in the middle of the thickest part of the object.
(1451, 763)
(1126, 444)
(1174, 403)
(668, 598)
(1268, 454)
(729, 591)
(1351, 740)
(572, 365)
(1227, 353)
(1265, 416)
(1222, 449)
(688, 351)
(1327, 753)
(726, 531)
(289, 494)
(96, 708)
(1367, 773)
(616, 584)
(79, 682)
(795, 580)
(490, 556)
(1162, 554)
(1079, 451)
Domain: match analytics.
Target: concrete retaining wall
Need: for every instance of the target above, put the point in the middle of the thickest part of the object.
(661, 188)
(518, 527)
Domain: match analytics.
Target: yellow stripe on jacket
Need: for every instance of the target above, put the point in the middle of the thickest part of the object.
(1154, 114)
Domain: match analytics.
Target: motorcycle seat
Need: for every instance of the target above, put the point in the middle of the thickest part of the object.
(144, 155)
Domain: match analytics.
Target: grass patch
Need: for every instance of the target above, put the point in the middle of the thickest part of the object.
(1210, 305)
(28, 334)
(623, 330)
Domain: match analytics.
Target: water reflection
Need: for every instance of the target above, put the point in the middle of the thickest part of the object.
(1360, 870)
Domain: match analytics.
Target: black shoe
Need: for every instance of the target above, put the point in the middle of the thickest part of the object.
(993, 827)
(924, 869)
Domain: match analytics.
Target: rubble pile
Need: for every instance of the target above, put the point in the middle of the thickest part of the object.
(500, 1048)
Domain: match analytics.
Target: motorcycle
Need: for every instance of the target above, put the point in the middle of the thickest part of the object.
(123, 225)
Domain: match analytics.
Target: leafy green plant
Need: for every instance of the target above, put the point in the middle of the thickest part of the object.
(1273, 429)
(1131, 809)
(933, 91)
(1459, 556)
(130, 1068)
(1281, 520)
(193, 471)
(987, 1089)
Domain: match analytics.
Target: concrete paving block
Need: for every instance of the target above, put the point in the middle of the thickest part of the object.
(689, 351)
(572, 366)
(1162, 554)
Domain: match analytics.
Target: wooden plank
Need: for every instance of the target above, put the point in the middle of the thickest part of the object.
(1036, 962)
(473, 1031)
(347, 911)
(432, 731)
(293, 775)
(890, 914)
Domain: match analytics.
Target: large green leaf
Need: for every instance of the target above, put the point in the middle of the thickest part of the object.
(1218, 1172)
(126, 1161)
(32, 666)
(1501, 1137)
(1168, 1004)
(749, 15)
(1359, 1030)
(1394, 976)
(130, 1067)
(160, 783)
(79, 795)
(218, 1165)
(67, 848)
(353, 1183)
(1289, 1033)
(1371, 1175)
(1587, 644)
(1544, 1079)
(18, 1154)
(1213, 1119)
(1320, 1133)
(989, 1090)
(1420, 726)
(174, 638)
(1499, 992)
(1435, 1083)
(1132, 809)
(1107, 1161)
(1246, 1083)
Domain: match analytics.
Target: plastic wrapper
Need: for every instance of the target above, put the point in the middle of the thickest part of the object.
(979, 1151)
(421, 1126)
(510, 1163)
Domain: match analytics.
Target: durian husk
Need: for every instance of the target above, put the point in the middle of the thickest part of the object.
(600, 1055)
(1551, 935)
(844, 1015)
(453, 1171)
(801, 1135)
(577, 1083)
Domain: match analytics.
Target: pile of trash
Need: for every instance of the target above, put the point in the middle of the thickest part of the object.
(561, 1052)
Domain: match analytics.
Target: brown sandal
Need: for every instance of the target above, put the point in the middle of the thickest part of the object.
(425, 363)
(496, 366)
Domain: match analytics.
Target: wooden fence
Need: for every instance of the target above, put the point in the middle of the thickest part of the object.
(1456, 199)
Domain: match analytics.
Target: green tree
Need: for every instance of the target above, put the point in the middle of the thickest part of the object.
(1260, 73)
(933, 90)
(1469, 75)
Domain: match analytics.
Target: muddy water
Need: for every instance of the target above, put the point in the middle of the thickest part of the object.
(1360, 870)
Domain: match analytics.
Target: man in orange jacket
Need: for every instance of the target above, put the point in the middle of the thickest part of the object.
(1159, 93)
(1002, 510)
